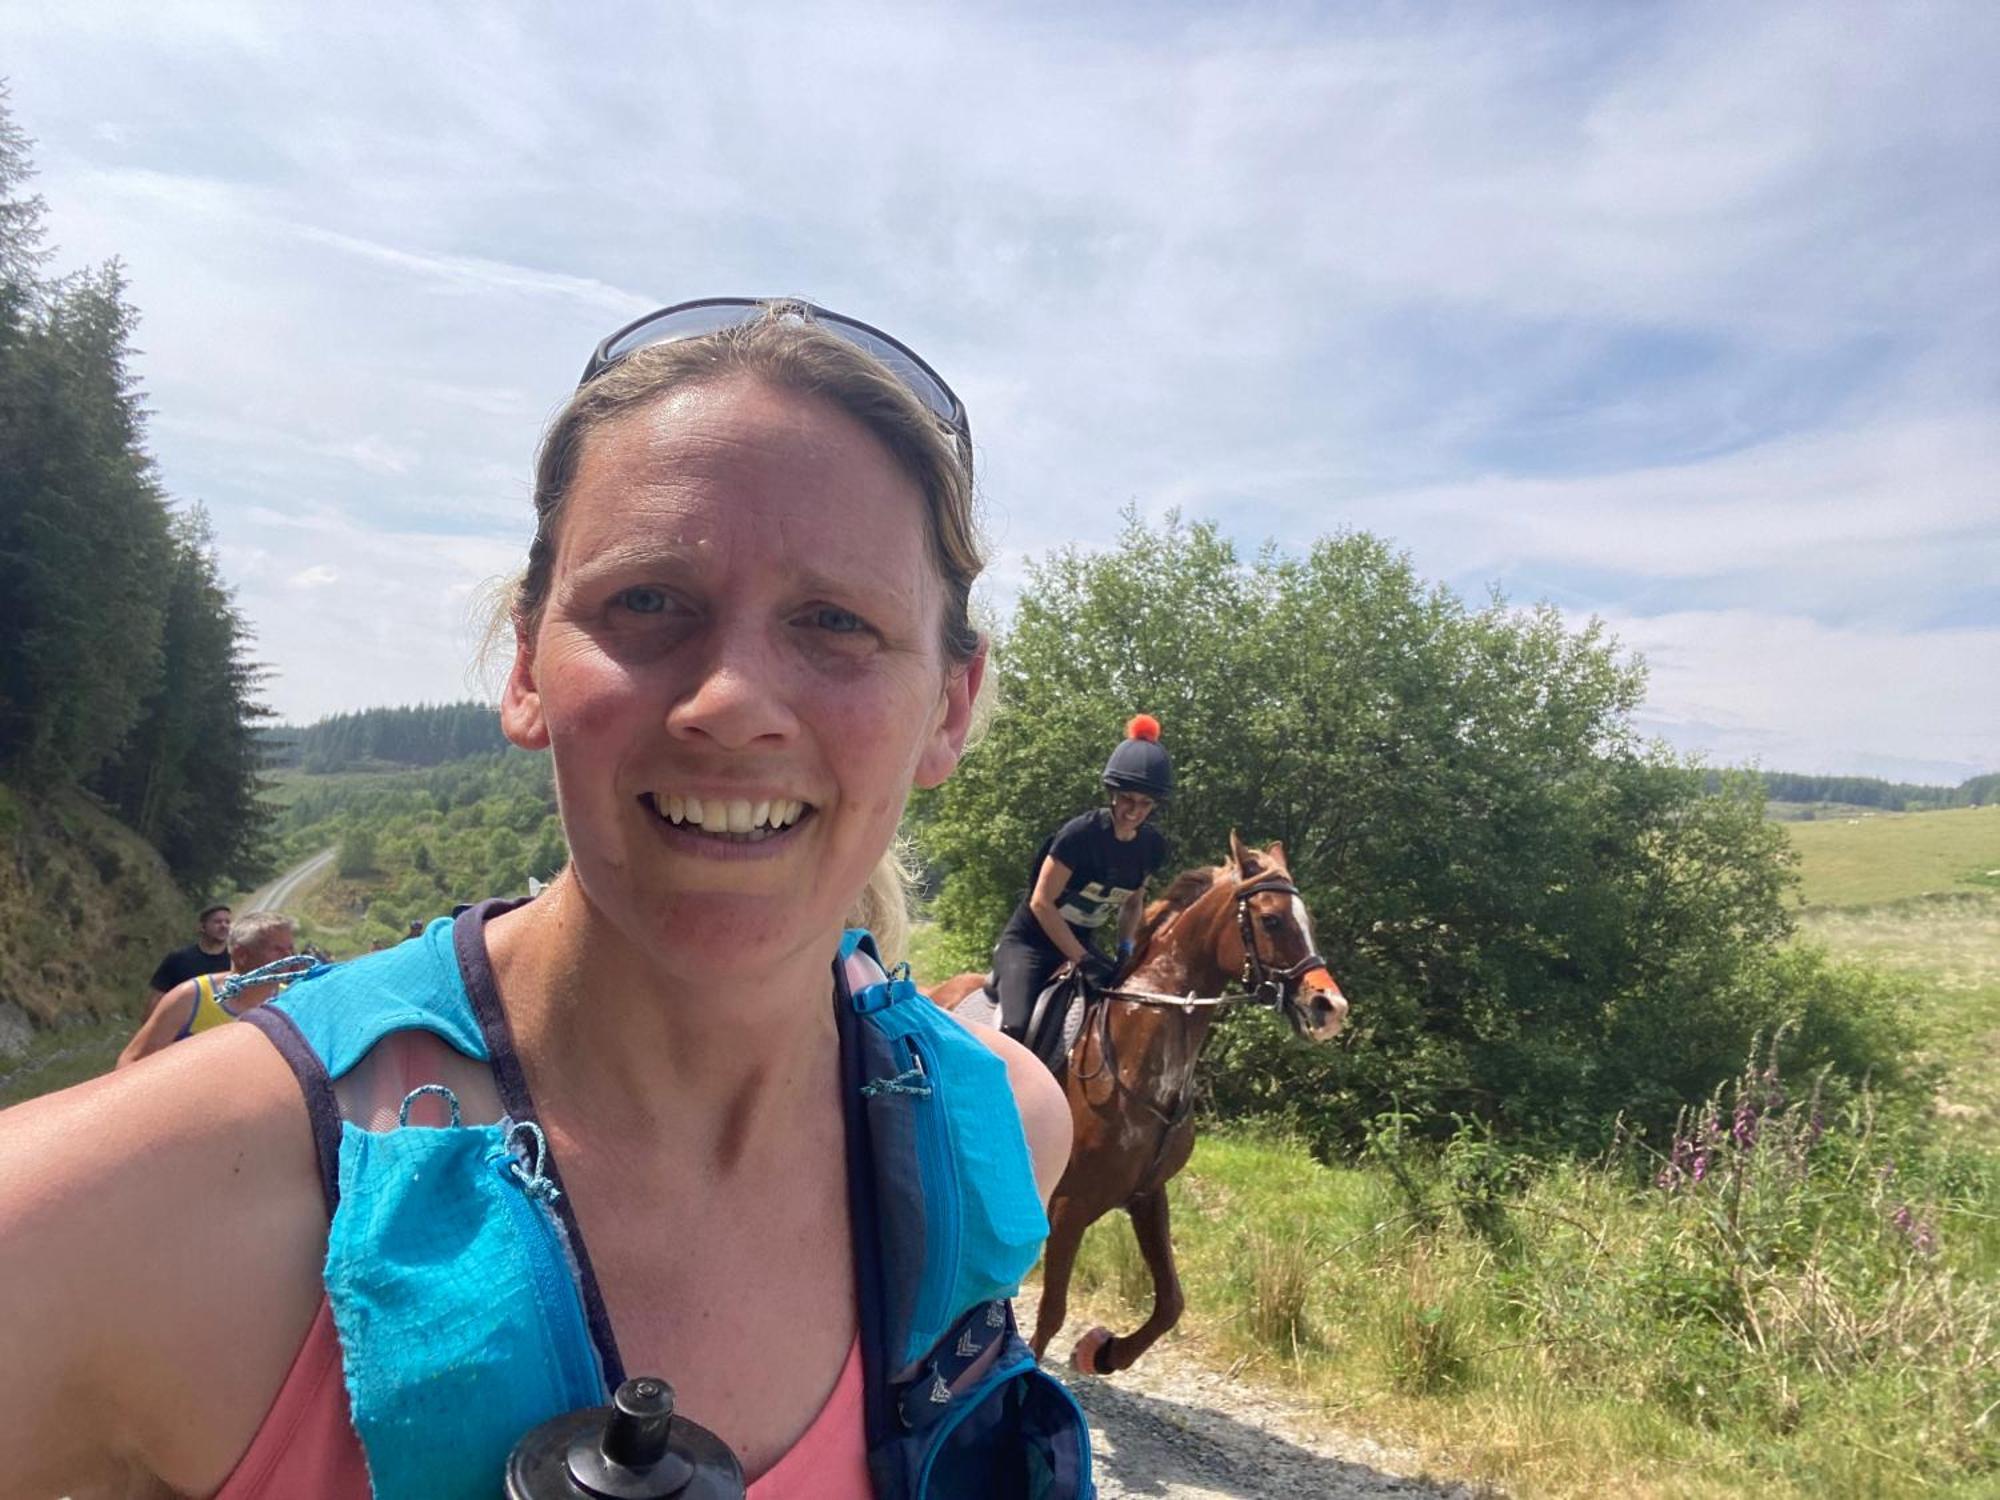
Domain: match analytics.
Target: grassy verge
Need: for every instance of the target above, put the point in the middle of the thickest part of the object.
(1573, 1331)
(69, 1055)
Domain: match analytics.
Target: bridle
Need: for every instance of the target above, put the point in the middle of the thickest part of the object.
(1264, 982)
(1268, 984)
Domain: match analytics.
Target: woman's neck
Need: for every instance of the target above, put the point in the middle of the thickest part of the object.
(611, 1039)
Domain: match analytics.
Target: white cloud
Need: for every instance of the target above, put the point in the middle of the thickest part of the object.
(1741, 686)
(1691, 308)
(319, 575)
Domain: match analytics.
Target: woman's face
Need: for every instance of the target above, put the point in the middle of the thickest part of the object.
(739, 671)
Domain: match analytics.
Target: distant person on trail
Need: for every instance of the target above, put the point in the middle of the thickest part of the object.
(1095, 866)
(207, 954)
(260, 938)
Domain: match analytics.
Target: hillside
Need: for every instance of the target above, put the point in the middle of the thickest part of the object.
(411, 844)
(86, 909)
(1869, 858)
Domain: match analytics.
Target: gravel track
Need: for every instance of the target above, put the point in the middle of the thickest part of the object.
(280, 893)
(1171, 1428)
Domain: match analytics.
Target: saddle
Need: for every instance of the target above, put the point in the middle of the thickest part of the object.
(1054, 1023)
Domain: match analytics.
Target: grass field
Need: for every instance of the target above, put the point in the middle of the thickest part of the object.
(1918, 895)
(1559, 1341)
(1865, 860)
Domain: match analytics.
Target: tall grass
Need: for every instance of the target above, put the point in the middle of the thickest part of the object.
(1784, 1299)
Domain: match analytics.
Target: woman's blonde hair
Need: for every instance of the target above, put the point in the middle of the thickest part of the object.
(784, 348)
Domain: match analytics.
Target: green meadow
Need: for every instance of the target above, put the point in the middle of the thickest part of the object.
(1866, 858)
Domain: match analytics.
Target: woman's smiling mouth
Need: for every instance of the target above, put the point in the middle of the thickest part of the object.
(736, 820)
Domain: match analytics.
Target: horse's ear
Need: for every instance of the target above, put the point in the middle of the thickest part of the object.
(1276, 855)
(1238, 855)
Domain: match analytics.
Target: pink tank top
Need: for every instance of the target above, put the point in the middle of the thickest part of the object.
(306, 1448)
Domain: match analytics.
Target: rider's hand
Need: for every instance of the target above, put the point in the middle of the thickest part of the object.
(1098, 969)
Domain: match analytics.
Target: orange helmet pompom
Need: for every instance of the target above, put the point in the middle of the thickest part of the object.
(1143, 727)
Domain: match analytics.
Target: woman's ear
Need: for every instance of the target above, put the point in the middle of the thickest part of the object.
(947, 740)
(520, 702)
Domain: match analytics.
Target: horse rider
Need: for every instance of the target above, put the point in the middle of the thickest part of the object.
(1097, 864)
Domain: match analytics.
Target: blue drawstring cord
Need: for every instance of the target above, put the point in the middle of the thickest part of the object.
(293, 967)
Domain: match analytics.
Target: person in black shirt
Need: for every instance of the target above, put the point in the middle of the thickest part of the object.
(1094, 868)
(207, 954)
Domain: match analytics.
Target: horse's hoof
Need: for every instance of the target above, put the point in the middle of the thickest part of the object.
(1083, 1358)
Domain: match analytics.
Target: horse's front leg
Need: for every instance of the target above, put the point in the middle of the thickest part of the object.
(1067, 1222)
(1150, 1224)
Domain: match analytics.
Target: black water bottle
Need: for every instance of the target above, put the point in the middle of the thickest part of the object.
(633, 1449)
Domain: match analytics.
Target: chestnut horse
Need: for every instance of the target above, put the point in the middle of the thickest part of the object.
(1130, 1073)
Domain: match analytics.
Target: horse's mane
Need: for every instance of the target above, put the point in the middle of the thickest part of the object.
(1188, 887)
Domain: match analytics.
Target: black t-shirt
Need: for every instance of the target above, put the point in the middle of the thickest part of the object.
(181, 965)
(1102, 872)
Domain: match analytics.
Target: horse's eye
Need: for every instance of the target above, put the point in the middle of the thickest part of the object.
(1272, 922)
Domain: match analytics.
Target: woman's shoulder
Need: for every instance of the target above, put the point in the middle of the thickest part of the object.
(1044, 1109)
(161, 1231)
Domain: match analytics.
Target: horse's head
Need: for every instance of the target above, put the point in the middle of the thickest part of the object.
(1273, 938)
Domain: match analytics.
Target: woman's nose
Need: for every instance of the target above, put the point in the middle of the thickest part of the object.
(740, 694)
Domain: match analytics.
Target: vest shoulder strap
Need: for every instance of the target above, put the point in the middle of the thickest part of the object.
(345, 1009)
(958, 1219)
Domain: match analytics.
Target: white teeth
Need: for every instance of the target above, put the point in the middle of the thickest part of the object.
(754, 820)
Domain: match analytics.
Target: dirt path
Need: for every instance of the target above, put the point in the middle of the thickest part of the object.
(280, 893)
(1174, 1429)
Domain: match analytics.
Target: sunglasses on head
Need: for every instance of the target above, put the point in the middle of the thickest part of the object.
(688, 320)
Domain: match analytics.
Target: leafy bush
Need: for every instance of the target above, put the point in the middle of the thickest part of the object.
(1542, 921)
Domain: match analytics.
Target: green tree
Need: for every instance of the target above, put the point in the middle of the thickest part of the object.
(187, 778)
(122, 665)
(357, 852)
(1516, 891)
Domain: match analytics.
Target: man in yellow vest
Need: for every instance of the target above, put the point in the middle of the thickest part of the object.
(255, 939)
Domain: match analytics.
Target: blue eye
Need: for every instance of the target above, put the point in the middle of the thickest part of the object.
(642, 600)
(839, 621)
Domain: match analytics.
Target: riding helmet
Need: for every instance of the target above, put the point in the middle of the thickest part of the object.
(1139, 764)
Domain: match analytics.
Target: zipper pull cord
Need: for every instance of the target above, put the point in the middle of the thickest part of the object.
(533, 1180)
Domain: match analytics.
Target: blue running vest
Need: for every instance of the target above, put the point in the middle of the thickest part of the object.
(462, 1291)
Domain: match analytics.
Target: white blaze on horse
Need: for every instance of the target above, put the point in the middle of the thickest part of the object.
(1130, 1072)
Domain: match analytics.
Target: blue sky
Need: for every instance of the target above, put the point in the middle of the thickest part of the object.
(1686, 317)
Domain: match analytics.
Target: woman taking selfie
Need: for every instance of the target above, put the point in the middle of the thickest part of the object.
(670, 1117)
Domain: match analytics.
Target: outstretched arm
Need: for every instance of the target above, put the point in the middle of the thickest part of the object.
(161, 1234)
(174, 1010)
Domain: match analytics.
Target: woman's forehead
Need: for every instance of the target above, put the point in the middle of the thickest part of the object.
(706, 473)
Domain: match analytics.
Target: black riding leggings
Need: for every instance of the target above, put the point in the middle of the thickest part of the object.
(1022, 969)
